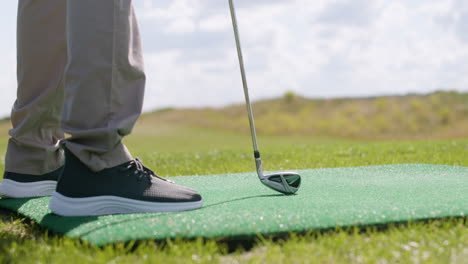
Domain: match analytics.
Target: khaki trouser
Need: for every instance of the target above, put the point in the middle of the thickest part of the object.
(80, 71)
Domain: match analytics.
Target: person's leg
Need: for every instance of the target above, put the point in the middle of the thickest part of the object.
(104, 80)
(33, 152)
(104, 84)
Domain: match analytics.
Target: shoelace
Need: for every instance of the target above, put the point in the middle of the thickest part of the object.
(141, 171)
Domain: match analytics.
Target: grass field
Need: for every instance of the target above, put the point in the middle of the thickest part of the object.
(438, 115)
(175, 148)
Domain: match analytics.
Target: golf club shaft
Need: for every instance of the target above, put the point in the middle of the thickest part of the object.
(270, 180)
(244, 79)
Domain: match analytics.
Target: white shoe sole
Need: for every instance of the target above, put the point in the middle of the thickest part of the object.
(14, 189)
(105, 205)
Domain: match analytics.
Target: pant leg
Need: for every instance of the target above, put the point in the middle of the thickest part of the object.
(104, 80)
(33, 147)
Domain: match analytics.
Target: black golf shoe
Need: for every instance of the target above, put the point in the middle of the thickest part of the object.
(127, 188)
(17, 185)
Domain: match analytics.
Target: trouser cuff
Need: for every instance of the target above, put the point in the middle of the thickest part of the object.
(96, 160)
(32, 159)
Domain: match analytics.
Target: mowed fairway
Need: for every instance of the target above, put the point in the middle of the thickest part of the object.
(177, 149)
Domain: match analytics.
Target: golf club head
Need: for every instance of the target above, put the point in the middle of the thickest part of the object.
(283, 182)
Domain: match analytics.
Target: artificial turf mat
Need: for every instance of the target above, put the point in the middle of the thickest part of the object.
(237, 205)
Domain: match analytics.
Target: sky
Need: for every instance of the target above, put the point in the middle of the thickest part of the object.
(320, 48)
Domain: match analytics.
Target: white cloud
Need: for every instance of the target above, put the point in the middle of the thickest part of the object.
(191, 83)
(328, 48)
(8, 63)
(7, 84)
(215, 23)
(178, 18)
(409, 52)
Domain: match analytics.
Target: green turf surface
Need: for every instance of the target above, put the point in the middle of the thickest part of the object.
(238, 205)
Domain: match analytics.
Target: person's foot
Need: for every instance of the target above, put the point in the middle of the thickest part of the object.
(17, 185)
(127, 188)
